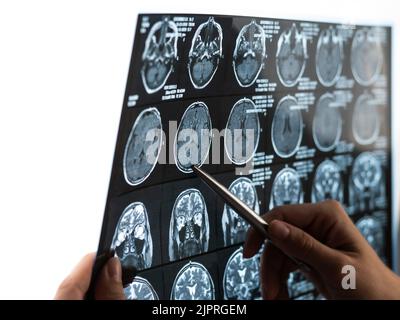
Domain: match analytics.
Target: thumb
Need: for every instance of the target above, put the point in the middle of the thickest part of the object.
(109, 284)
(301, 245)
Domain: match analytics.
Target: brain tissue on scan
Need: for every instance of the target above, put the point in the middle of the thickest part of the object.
(299, 288)
(286, 188)
(366, 182)
(291, 56)
(193, 282)
(159, 55)
(205, 53)
(327, 182)
(242, 132)
(373, 231)
(366, 119)
(132, 239)
(235, 227)
(366, 55)
(189, 229)
(329, 56)
(193, 138)
(242, 277)
(249, 54)
(287, 127)
(327, 123)
(143, 147)
(140, 289)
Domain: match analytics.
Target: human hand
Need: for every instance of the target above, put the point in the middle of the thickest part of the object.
(109, 283)
(323, 236)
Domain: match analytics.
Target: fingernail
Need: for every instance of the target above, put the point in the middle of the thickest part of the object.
(114, 269)
(278, 230)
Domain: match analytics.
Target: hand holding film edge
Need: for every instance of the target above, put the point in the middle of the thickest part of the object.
(259, 224)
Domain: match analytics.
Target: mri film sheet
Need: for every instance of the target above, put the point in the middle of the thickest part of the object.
(279, 111)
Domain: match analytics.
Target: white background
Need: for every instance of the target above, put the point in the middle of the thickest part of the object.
(63, 70)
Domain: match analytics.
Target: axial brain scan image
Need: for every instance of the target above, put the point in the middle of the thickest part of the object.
(242, 132)
(241, 277)
(140, 289)
(286, 188)
(366, 120)
(287, 127)
(193, 139)
(366, 56)
(327, 183)
(372, 230)
(249, 54)
(235, 227)
(327, 123)
(132, 239)
(299, 288)
(189, 229)
(193, 282)
(329, 56)
(143, 147)
(291, 56)
(159, 55)
(205, 53)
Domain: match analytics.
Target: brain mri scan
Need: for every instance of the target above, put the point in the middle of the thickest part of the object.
(242, 277)
(366, 182)
(140, 289)
(143, 147)
(249, 54)
(372, 230)
(235, 227)
(205, 53)
(287, 127)
(189, 229)
(366, 120)
(291, 56)
(160, 54)
(329, 56)
(193, 138)
(193, 282)
(327, 123)
(132, 239)
(299, 288)
(366, 56)
(327, 182)
(242, 132)
(286, 188)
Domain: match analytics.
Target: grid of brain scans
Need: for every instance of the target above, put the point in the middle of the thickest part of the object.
(316, 98)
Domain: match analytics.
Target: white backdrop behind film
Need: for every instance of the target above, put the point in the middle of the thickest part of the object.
(63, 70)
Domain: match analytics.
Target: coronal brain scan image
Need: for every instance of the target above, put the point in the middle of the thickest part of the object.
(143, 147)
(132, 239)
(287, 127)
(189, 229)
(249, 54)
(235, 227)
(205, 53)
(366, 55)
(193, 139)
(160, 54)
(286, 188)
(327, 183)
(372, 230)
(366, 182)
(242, 277)
(329, 56)
(140, 289)
(299, 288)
(291, 56)
(193, 282)
(327, 123)
(242, 132)
(366, 120)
